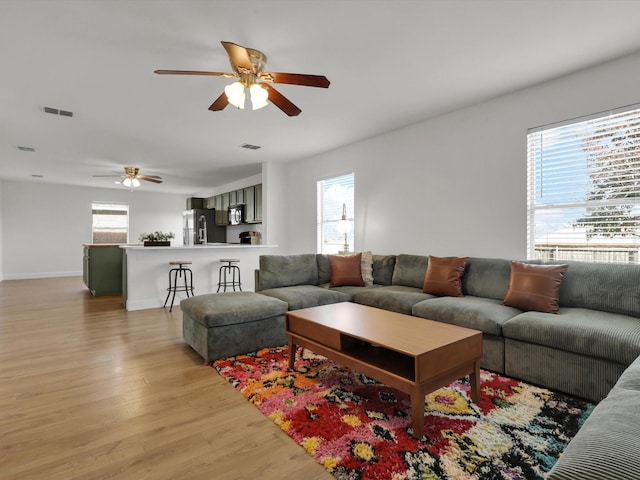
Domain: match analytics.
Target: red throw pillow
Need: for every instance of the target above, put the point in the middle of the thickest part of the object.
(444, 276)
(535, 287)
(345, 270)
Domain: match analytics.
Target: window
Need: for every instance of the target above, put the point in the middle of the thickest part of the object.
(335, 198)
(583, 188)
(110, 223)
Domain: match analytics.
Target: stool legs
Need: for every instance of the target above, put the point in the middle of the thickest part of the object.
(173, 285)
(223, 282)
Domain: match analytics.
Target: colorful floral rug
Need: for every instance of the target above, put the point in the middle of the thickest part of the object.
(358, 428)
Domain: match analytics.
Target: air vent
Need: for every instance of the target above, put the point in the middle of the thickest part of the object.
(35, 175)
(57, 111)
(249, 146)
(26, 149)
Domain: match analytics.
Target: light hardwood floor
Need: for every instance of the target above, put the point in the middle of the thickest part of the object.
(91, 391)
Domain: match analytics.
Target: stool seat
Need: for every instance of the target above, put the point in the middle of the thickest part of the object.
(182, 272)
(233, 271)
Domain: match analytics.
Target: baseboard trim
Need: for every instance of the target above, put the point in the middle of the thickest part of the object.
(144, 304)
(30, 276)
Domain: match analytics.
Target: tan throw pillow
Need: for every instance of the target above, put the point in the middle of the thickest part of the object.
(366, 268)
(535, 287)
(444, 276)
(345, 270)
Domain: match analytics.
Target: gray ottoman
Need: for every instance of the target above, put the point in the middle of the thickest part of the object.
(220, 325)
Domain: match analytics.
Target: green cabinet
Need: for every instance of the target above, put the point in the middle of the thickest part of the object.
(221, 203)
(195, 202)
(253, 204)
(258, 203)
(102, 269)
(249, 204)
(239, 194)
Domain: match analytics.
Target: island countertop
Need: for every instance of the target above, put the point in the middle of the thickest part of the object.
(140, 246)
(146, 269)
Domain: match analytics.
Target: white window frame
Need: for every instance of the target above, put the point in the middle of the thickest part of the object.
(583, 188)
(335, 195)
(101, 224)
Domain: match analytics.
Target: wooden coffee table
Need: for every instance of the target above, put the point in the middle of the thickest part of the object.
(412, 354)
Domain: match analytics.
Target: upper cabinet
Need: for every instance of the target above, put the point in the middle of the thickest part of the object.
(196, 202)
(221, 204)
(258, 203)
(249, 205)
(253, 204)
(240, 197)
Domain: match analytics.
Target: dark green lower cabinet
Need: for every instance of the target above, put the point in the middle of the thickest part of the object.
(102, 269)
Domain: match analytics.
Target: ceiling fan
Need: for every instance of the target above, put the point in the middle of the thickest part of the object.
(248, 65)
(132, 177)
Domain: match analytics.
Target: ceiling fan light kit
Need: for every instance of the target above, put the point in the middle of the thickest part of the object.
(248, 65)
(131, 182)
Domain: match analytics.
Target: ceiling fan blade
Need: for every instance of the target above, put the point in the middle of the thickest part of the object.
(194, 72)
(153, 176)
(220, 102)
(296, 79)
(281, 101)
(149, 178)
(239, 58)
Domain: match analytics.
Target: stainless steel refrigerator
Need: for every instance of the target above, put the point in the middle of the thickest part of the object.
(199, 227)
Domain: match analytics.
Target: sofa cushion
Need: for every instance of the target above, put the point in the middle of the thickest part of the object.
(305, 296)
(593, 333)
(383, 266)
(444, 276)
(346, 270)
(630, 378)
(485, 314)
(231, 308)
(535, 287)
(486, 277)
(287, 270)
(602, 286)
(606, 446)
(396, 298)
(349, 289)
(410, 270)
(324, 269)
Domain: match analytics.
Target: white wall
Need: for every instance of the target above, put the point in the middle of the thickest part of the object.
(1, 236)
(456, 184)
(45, 225)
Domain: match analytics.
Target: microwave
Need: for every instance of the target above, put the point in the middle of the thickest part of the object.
(236, 215)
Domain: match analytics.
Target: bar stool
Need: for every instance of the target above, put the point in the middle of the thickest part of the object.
(181, 272)
(231, 270)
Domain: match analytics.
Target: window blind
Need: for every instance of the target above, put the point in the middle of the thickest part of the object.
(583, 188)
(109, 223)
(332, 194)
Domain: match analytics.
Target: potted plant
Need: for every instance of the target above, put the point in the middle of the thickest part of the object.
(156, 239)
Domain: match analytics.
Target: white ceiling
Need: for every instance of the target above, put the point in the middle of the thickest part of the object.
(391, 63)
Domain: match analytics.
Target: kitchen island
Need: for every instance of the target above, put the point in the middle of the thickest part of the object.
(146, 270)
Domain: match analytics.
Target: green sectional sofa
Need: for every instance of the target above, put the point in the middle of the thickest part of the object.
(582, 350)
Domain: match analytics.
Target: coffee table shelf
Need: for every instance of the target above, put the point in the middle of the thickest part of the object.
(378, 356)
